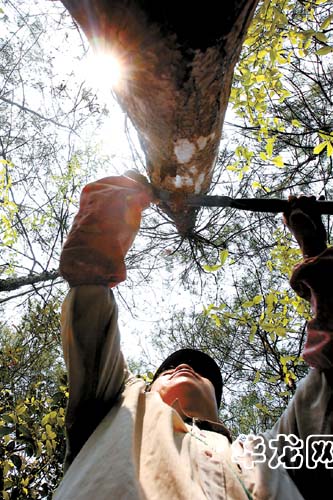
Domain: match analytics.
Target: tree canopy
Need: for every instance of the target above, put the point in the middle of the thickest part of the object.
(224, 288)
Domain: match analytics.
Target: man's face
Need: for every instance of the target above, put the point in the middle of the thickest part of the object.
(187, 391)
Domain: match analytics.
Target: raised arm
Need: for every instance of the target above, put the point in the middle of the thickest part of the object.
(312, 279)
(92, 260)
(310, 413)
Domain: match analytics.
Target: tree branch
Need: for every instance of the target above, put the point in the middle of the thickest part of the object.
(28, 110)
(15, 283)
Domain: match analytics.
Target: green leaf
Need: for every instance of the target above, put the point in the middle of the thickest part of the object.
(4, 431)
(324, 51)
(269, 146)
(21, 409)
(257, 377)
(329, 149)
(45, 420)
(280, 331)
(247, 303)
(216, 320)
(325, 136)
(50, 433)
(262, 408)
(257, 299)
(49, 447)
(211, 269)
(252, 332)
(284, 393)
(223, 256)
(319, 148)
(8, 418)
(321, 37)
(285, 359)
(325, 24)
(272, 336)
(278, 161)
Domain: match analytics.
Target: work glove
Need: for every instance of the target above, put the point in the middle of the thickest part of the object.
(104, 229)
(312, 279)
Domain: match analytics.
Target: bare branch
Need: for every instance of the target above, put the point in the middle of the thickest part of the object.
(28, 110)
(15, 283)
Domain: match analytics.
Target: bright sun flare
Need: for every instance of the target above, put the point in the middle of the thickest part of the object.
(103, 70)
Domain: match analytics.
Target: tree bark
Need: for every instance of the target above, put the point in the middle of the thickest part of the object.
(14, 283)
(178, 60)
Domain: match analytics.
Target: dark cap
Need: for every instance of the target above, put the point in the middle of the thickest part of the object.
(200, 362)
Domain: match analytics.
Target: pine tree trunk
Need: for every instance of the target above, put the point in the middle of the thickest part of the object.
(179, 59)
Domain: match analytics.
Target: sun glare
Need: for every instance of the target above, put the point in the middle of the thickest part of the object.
(103, 70)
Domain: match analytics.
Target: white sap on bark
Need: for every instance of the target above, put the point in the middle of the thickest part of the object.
(184, 150)
(182, 180)
(202, 141)
(198, 183)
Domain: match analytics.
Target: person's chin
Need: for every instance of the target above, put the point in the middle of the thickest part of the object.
(185, 389)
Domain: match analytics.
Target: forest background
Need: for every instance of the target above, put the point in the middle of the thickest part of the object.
(225, 290)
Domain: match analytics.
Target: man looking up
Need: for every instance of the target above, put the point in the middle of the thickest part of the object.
(188, 392)
(166, 443)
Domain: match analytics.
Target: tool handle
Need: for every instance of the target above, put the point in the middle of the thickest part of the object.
(276, 205)
(273, 205)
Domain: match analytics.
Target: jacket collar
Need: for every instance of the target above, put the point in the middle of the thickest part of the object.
(208, 425)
